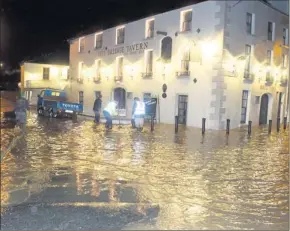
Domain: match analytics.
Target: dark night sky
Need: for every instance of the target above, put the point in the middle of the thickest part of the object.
(41, 26)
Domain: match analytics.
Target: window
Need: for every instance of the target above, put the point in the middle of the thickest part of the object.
(120, 35)
(120, 66)
(186, 19)
(269, 57)
(248, 51)
(284, 61)
(81, 45)
(285, 37)
(185, 61)
(81, 69)
(166, 49)
(244, 106)
(249, 23)
(271, 27)
(149, 33)
(98, 40)
(81, 97)
(149, 62)
(45, 74)
(98, 70)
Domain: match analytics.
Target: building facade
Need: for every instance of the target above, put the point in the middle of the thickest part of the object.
(219, 60)
(35, 77)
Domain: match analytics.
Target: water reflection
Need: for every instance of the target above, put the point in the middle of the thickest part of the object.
(211, 181)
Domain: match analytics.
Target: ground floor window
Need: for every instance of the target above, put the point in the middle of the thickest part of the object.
(120, 97)
(146, 96)
(97, 94)
(81, 97)
(245, 96)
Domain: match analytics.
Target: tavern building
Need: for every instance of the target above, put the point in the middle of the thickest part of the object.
(219, 60)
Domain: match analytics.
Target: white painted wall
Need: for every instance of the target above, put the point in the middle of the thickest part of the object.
(235, 85)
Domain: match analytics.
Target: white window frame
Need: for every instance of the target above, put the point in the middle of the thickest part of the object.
(271, 57)
(182, 20)
(249, 58)
(80, 74)
(185, 60)
(95, 43)
(286, 35)
(284, 60)
(117, 30)
(118, 72)
(146, 59)
(147, 27)
(273, 31)
(83, 47)
(252, 32)
(98, 64)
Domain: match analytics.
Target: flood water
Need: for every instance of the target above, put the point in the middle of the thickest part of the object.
(76, 175)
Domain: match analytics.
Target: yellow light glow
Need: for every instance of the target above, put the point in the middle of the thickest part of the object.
(64, 72)
(284, 73)
(54, 71)
(209, 48)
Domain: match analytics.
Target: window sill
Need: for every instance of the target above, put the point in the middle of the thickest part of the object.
(185, 32)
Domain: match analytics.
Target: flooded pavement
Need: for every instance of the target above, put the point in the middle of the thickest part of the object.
(66, 175)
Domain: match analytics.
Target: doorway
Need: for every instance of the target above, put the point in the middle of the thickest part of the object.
(120, 97)
(264, 109)
(182, 109)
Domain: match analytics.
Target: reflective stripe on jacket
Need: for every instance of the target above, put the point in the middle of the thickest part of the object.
(111, 108)
(140, 108)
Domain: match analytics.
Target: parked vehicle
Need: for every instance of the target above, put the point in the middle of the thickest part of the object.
(54, 103)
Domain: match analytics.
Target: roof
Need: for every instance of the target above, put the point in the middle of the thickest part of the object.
(113, 23)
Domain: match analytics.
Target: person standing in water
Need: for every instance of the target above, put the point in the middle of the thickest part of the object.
(21, 108)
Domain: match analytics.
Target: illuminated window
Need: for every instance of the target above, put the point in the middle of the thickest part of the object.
(269, 57)
(81, 45)
(98, 69)
(271, 31)
(45, 73)
(248, 53)
(250, 23)
(120, 35)
(98, 40)
(120, 66)
(81, 70)
(285, 37)
(149, 62)
(185, 61)
(284, 61)
(149, 28)
(186, 20)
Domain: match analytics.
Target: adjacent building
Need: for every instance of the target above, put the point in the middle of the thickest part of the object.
(37, 76)
(219, 60)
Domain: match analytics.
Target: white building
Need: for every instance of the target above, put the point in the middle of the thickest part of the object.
(219, 59)
(37, 76)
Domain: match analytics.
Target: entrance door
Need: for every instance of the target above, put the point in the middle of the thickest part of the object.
(120, 97)
(264, 109)
(279, 105)
(182, 108)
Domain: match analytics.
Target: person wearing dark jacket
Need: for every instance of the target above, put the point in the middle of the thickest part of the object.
(97, 108)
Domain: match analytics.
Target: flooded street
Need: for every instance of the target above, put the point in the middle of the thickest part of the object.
(68, 175)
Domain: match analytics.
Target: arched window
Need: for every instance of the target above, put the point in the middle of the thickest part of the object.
(166, 49)
(120, 97)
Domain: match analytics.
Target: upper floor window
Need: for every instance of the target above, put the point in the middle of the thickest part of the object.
(269, 57)
(98, 40)
(81, 70)
(45, 73)
(248, 52)
(120, 35)
(186, 20)
(250, 23)
(149, 62)
(166, 49)
(98, 69)
(185, 61)
(285, 37)
(81, 45)
(271, 31)
(149, 33)
(120, 66)
(284, 61)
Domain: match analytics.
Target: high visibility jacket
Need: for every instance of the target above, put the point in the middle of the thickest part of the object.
(140, 108)
(111, 108)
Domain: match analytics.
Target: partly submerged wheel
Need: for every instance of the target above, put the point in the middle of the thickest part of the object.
(40, 111)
